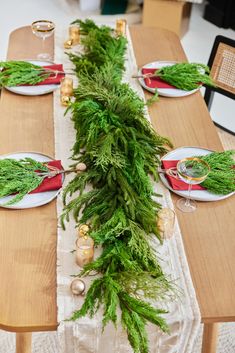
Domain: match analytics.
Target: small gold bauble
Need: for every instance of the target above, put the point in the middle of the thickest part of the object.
(81, 167)
(77, 287)
(68, 44)
(65, 100)
(83, 229)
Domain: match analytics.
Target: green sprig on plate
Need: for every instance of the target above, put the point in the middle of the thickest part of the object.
(185, 76)
(19, 177)
(16, 73)
(221, 178)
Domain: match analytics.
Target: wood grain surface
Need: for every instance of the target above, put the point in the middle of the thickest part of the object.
(208, 233)
(27, 237)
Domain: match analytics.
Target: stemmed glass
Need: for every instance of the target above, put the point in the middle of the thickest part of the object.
(192, 171)
(43, 29)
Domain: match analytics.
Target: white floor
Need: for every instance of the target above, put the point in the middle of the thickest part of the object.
(197, 44)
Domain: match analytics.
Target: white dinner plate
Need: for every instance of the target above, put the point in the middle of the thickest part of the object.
(166, 92)
(199, 195)
(30, 200)
(34, 90)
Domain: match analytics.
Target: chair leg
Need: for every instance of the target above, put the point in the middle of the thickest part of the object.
(208, 97)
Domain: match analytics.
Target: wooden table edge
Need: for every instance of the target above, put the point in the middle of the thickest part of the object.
(15, 329)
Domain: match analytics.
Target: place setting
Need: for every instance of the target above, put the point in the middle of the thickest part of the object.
(198, 174)
(39, 76)
(30, 179)
(173, 79)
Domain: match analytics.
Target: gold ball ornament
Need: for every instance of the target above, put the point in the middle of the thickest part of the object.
(65, 100)
(68, 44)
(81, 167)
(83, 229)
(78, 287)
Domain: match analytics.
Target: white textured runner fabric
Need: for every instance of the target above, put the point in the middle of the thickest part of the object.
(85, 336)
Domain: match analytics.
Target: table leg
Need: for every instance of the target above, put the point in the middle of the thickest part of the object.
(210, 335)
(23, 342)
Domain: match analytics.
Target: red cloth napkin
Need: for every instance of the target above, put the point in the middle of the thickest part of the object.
(49, 184)
(155, 82)
(51, 79)
(54, 78)
(175, 183)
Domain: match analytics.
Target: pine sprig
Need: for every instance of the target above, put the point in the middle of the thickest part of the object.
(15, 73)
(120, 148)
(19, 177)
(186, 76)
(221, 178)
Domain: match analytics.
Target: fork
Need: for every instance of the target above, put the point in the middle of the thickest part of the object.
(53, 173)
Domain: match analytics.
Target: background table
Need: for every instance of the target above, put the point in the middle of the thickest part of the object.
(28, 237)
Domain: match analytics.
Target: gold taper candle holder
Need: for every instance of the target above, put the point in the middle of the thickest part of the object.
(84, 250)
(74, 34)
(121, 27)
(166, 222)
(66, 90)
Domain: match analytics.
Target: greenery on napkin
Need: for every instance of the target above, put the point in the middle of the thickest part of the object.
(221, 178)
(120, 149)
(186, 76)
(19, 177)
(16, 73)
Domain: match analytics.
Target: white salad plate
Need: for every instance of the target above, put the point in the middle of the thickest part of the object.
(36, 90)
(30, 200)
(199, 195)
(166, 92)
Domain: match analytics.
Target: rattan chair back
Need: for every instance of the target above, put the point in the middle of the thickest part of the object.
(222, 66)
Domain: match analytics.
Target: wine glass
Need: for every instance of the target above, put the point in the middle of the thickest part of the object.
(43, 29)
(192, 171)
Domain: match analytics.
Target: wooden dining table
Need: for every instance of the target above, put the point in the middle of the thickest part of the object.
(28, 237)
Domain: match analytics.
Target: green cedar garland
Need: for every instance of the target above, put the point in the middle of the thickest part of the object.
(120, 149)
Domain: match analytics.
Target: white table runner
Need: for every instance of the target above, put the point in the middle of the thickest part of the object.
(85, 336)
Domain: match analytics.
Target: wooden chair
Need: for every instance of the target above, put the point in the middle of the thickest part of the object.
(222, 65)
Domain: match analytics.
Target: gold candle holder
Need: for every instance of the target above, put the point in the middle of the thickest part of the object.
(74, 34)
(166, 222)
(84, 250)
(66, 90)
(121, 27)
